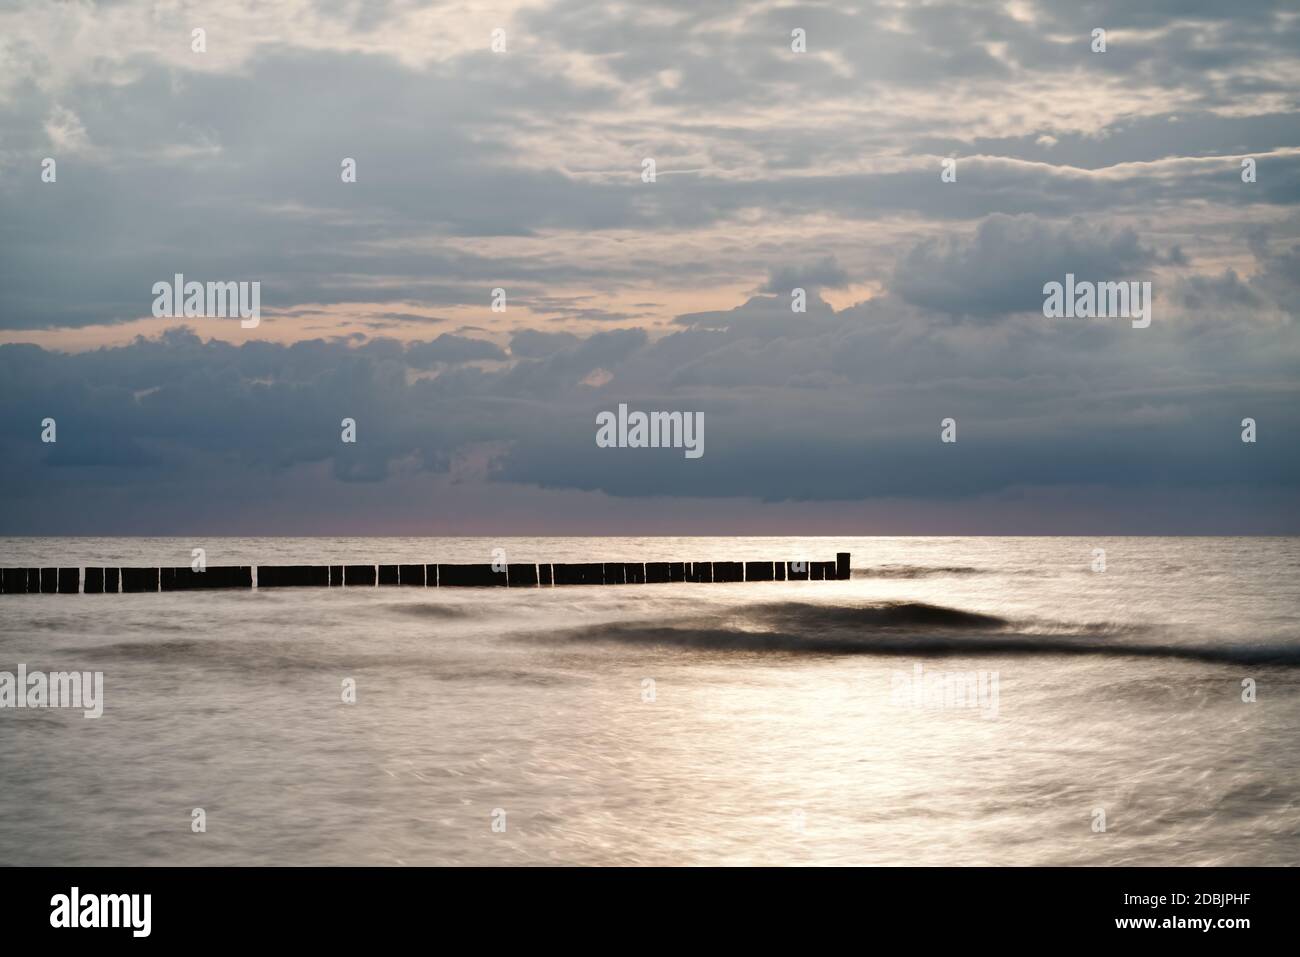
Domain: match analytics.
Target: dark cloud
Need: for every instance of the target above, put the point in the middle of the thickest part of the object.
(535, 344)
(1001, 269)
(448, 348)
(825, 273)
(763, 315)
(845, 406)
(1227, 289)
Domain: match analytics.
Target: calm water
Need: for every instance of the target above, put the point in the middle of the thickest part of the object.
(777, 732)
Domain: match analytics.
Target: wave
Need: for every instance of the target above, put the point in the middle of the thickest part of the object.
(916, 629)
(888, 614)
(916, 571)
(784, 627)
(436, 610)
(253, 656)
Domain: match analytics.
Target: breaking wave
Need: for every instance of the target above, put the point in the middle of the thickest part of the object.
(918, 629)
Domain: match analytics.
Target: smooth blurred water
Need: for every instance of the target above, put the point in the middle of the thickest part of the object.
(775, 734)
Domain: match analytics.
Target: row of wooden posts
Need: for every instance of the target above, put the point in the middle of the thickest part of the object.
(97, 581)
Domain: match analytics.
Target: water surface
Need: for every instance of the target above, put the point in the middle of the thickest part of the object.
(775, 732)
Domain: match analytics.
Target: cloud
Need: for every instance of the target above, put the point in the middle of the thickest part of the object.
(1273, 288)
(842, 406)
(522, 171)
(1001, 269)
(762, 315)
(448, 348)
(535, 344)
(65, 131)
(824, 273)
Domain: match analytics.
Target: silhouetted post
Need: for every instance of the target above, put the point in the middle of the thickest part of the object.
(13, 581)
(521, 576)
(356, 575)
(469, 576)
(728, 572)
(139, 579)
(293, 576)
(215, 576)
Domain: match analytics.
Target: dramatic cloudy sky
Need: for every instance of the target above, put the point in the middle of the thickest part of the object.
(522, 170)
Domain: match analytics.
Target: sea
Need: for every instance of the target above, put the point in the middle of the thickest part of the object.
(957, 701)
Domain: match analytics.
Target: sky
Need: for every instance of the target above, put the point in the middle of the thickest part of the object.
(523, 168)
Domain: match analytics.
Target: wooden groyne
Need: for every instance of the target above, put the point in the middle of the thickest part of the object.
(100, 581)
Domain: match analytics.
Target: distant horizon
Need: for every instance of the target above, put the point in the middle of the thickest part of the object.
(188, 536)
